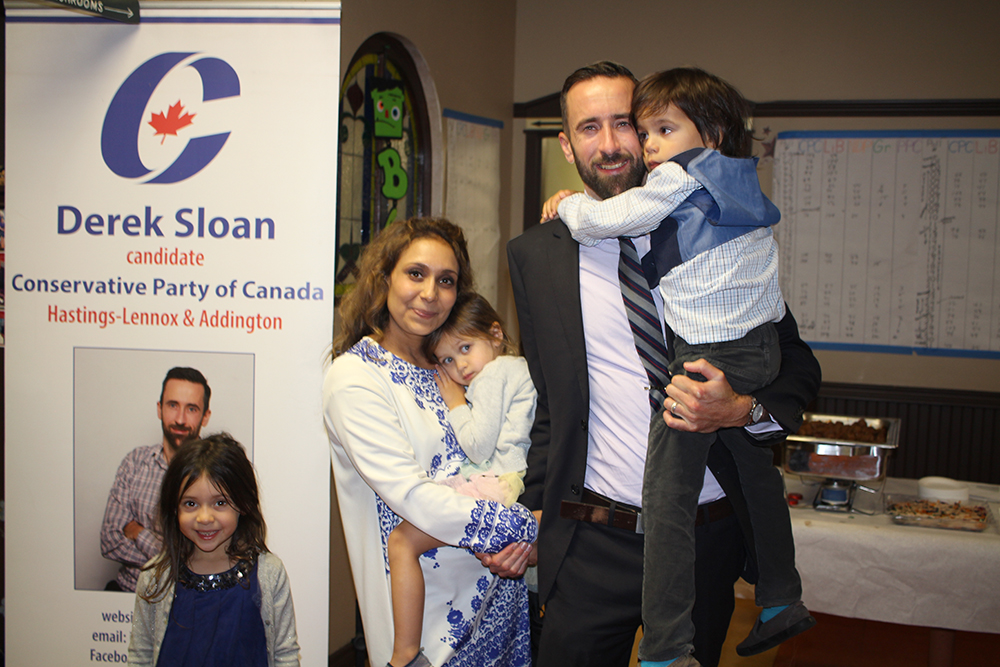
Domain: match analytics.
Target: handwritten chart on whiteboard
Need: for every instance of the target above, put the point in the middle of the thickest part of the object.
(889, 241)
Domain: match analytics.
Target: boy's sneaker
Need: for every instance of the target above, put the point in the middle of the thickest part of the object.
(790, 622)
(683, 661)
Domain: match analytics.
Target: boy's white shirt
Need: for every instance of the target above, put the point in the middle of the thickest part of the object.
(634, 212)
(717, 296)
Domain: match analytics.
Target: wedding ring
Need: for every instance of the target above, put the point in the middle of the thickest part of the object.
(673, 408)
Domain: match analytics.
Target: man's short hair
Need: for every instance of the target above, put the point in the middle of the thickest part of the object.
(190, 375)
(604, 68)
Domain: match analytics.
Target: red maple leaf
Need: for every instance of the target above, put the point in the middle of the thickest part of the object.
(171, 122)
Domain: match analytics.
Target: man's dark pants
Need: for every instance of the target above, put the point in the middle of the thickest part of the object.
(595, 607)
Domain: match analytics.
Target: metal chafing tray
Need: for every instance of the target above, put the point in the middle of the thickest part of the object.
(833, 459)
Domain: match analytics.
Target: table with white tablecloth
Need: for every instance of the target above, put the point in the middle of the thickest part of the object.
(869, 567)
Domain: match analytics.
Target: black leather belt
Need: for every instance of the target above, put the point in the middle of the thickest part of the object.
(596, 508)
(713, 511)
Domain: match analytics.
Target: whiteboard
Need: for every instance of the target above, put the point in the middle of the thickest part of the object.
(889, 239)
(473, 192)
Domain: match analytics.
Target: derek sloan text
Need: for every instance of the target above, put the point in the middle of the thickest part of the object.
(186, 224)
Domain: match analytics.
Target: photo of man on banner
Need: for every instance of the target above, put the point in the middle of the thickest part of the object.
(120, 462)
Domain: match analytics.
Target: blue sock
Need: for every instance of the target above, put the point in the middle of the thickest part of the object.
(770, 612)
(659, 663)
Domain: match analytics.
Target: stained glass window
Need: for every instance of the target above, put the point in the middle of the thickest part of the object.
(384, 158)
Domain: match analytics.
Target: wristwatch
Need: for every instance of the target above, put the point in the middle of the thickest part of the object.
(757, 412)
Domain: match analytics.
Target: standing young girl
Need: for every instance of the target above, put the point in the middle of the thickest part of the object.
(214, 595)
(491, 403)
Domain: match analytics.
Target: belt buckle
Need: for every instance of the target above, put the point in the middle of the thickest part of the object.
(613, 506)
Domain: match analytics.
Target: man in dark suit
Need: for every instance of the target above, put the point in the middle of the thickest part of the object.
(585, 464)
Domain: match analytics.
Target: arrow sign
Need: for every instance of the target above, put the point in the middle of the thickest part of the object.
(126, 11)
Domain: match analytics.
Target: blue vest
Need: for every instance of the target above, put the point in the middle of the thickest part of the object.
(731, 202)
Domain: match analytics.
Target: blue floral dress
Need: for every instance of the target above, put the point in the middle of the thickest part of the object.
(390, 441)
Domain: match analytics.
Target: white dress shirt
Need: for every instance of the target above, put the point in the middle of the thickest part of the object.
(618, 429)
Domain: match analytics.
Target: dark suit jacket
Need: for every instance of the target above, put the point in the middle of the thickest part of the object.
(544, 271)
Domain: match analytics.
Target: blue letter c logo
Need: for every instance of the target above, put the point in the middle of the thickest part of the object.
(120, 135)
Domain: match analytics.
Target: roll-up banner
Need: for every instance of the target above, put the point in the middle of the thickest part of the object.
(170, 202)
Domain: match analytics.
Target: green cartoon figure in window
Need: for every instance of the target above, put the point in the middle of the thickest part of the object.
(388, 112)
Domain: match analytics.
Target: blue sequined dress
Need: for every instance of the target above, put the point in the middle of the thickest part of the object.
(215, 620)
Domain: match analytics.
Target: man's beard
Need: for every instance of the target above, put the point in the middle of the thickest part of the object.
(605, 186)
(176, 440)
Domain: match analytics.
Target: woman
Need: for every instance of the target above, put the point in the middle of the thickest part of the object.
(390, 439)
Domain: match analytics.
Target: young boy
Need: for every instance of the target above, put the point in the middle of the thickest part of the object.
(717, 265)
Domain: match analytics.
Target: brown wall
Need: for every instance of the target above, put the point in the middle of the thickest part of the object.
(486, 55)
(772, 49)
(789, 50)
(468, 48)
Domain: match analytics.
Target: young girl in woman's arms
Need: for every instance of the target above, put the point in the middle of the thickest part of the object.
(214, 595)
(492, 407)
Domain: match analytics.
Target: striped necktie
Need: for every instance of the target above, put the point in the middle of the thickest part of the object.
(645, 322)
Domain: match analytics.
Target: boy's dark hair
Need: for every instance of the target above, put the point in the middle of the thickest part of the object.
(223, 460)
(716, 108)
(472, 316)
(604, 68)
(189, 375)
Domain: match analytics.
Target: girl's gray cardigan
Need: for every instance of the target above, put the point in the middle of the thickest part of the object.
(149, 621)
